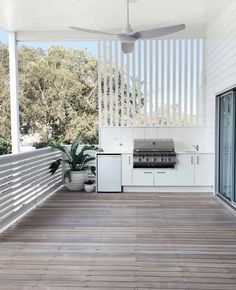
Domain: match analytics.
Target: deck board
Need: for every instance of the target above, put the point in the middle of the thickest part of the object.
(122, 241)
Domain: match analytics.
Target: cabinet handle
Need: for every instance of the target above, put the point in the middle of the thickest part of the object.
(197, 159)
(191, 159)
(129, 160)
(161, 172)
(146, 172)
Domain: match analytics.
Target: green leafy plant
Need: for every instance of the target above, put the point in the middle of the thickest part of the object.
(89, 182)
(76, 161)
(5, 147)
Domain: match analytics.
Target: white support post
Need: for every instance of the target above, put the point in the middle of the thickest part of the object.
(14, 93)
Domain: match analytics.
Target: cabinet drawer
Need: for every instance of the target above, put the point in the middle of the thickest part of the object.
(143, 177)
(165, 177)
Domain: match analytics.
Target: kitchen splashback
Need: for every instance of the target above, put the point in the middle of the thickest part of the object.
(118, 139)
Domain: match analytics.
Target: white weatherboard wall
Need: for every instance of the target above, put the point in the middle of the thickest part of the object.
(220, 63)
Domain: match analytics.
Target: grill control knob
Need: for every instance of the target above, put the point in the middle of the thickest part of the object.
(169, 159)
(162, 159)
(154, 159)
(147, 159)
(140, 159)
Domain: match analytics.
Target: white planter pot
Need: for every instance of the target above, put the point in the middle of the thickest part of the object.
(77, 180)
(89, 187)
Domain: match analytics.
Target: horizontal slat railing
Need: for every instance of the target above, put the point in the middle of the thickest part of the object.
(25, 181)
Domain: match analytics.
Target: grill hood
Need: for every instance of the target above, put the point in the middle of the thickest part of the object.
(158, 144)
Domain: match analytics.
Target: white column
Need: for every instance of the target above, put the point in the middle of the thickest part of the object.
(14, 93)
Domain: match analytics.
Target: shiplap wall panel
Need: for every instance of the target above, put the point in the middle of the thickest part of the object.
(220, 55)
(159, 84)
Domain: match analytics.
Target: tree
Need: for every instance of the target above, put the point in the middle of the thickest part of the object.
(58, 94)
(5, 129)
(58, 91)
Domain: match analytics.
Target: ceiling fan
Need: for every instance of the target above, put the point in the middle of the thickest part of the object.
(128, 36)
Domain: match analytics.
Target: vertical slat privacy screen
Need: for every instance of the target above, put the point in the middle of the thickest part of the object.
(159, 84)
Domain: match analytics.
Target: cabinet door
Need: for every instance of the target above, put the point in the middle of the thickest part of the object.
(204, 170)
(127, 168)
(165, 177)
(185, 170)
(143, 177)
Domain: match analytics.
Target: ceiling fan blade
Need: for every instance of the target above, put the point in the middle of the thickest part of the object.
(127, 47)
(158, 32)
(93, 31)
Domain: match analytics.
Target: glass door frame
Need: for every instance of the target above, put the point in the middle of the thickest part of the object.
(217, 146)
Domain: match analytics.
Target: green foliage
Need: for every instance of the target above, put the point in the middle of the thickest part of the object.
(5, 147)
(58, 94)
(5, 128)
(77, 161)
(89, 182)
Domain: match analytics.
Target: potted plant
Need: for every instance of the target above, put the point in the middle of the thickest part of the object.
(89, 186)
(76, 169)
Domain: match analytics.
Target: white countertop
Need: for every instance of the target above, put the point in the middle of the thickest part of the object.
(177, 152)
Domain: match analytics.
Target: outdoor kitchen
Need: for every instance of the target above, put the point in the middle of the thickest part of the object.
(175, 160)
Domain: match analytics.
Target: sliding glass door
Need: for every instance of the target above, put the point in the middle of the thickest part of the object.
(226, 153)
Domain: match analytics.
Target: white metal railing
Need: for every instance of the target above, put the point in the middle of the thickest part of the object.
(25, 181)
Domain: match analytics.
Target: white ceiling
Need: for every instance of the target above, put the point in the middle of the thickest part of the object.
(51, 18)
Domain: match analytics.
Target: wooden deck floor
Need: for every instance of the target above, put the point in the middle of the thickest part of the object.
(128, 241)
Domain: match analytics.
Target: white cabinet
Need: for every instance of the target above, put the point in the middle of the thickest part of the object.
(143, 177)
(191, 170)
(185, 170)
(127, 169)
(204, 170)
(155, 177)
(165, 177)
(195, 169)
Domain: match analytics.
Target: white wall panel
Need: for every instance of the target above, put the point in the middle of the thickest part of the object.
(220, 56)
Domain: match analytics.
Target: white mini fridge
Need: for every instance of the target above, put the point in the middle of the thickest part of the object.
(109, 172)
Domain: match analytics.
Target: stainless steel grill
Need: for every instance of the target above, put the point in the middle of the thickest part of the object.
(154, 153)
